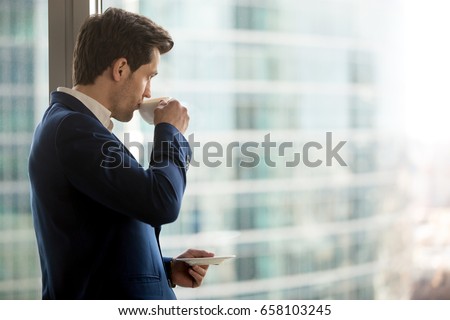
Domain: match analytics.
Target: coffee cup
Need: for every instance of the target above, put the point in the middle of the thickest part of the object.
(147, 108)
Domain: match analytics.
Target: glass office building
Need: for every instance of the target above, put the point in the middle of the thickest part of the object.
(262, 79)
(289, 71)
(23, 88)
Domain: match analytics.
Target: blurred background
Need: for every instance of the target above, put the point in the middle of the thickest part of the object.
(374, 73)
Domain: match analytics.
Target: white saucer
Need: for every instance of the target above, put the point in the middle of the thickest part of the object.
(205, 261)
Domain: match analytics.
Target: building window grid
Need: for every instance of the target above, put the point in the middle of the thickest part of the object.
(23, 77)
(19, 271)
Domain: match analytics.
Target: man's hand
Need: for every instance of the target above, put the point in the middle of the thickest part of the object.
(172, 112)
(184, 275)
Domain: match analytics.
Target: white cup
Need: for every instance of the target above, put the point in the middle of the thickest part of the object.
(147, 108)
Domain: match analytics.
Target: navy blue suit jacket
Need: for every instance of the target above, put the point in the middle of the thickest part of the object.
(97, 212)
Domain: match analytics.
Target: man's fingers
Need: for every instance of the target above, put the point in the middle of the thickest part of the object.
(201, 270)
(198, 273)
(195, 253)
(197, 278)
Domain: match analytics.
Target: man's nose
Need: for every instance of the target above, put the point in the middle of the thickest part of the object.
(147, 92)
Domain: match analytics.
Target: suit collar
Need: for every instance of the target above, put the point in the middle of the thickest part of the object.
(70, 102)
(99, 110)
(74, 104)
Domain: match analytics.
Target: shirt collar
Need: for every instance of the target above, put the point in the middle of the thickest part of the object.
(100, 112)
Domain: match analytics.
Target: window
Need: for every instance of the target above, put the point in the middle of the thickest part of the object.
(291, 68)
(23, 92)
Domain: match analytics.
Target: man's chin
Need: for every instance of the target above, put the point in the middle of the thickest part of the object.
(124, 118)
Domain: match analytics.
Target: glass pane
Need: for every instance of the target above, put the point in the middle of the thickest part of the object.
(265, 82)
(23, 95)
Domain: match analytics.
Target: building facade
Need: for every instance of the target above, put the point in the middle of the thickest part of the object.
(262, 79)
(23, 69)
(260, 74)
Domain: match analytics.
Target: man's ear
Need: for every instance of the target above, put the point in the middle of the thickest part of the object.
(119, 69)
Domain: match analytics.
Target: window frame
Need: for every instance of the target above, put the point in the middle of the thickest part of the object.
(65, 18)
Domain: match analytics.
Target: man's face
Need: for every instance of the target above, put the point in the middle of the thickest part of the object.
(134, 89)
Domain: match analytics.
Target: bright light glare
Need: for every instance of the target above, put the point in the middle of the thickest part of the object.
(427, 70)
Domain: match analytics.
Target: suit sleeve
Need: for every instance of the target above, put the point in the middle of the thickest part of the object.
(97, 164)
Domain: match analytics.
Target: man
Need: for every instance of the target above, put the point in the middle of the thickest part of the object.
(97, 212)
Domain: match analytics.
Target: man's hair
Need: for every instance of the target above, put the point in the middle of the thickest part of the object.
(115, 34)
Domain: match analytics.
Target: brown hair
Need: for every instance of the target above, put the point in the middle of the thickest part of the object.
(116, 33)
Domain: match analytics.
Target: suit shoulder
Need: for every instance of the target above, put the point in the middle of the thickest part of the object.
(59, 112)
(59, 116)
